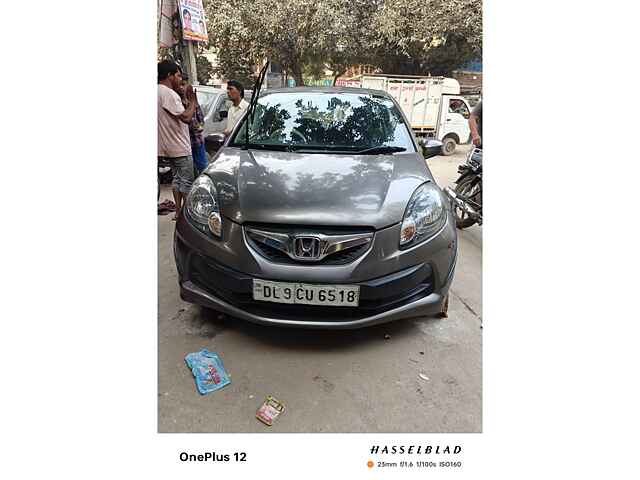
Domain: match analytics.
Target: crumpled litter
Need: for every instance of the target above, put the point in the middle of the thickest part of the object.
(208, 370)
(270, 410)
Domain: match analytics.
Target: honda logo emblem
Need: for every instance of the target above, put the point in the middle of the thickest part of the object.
(306, 248)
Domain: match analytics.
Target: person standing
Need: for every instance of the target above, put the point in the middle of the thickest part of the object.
(196, 129)
(174, 144)
(475, 124)
(235, 91)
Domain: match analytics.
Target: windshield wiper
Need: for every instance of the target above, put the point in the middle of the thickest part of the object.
(254, 101)
(303, 148)
(280, 147)
(380, 149)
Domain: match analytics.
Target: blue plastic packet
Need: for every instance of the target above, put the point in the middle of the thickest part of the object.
(208, 370)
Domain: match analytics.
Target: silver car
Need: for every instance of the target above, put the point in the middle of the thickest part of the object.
(215, 107)
(326, 216)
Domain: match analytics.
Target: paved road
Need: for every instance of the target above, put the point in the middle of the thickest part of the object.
(346, 381)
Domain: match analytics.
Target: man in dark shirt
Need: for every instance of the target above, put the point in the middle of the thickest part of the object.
(475, 124)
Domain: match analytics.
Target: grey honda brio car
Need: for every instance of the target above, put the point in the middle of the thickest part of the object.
(325, 216)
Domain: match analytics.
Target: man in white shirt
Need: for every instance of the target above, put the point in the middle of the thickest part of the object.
(235, 91)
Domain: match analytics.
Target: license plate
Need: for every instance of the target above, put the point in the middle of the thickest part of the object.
(306, 294)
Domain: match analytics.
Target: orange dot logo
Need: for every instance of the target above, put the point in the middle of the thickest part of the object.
(370, 464)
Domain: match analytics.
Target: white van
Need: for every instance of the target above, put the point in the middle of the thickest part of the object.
(433, 106)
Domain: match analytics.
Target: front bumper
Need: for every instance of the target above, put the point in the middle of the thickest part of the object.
(394, 284)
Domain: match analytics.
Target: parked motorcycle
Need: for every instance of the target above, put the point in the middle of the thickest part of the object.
(466, 197)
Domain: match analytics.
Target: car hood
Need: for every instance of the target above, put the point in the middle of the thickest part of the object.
(258, 186)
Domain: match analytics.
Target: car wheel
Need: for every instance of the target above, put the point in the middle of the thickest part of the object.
(448, 146)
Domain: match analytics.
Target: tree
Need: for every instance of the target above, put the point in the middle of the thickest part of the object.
(232, 39)
(287, 32)
(300, 35)
(398, 36)
(204, 69)
(343, 42)
(437, 37)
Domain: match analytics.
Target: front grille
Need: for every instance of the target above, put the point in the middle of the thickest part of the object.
(346, 256)
(276, 255)
(342, 257)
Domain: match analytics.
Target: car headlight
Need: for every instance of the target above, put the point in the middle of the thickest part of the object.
(424, 217)
(202, 206)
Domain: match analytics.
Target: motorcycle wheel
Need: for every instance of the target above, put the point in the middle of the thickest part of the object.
(465, 188)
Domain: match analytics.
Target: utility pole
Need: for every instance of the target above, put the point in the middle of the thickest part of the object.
(189, 61)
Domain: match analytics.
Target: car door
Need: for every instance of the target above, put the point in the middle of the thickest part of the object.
(216, 121)
(455, 118)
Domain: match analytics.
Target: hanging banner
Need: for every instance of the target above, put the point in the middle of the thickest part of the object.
(194, 25)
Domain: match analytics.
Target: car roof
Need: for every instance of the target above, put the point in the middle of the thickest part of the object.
(212, 90)
(209, 88)
(352, 90)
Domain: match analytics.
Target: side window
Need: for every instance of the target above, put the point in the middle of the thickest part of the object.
(223, 106)
(458, 106)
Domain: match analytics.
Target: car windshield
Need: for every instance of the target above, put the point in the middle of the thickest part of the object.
(326, 121)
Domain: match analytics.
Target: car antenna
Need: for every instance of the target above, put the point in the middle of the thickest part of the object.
(254, 101)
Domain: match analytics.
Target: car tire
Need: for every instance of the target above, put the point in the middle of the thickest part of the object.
(448, 146)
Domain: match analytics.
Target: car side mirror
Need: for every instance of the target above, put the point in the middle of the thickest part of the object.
(430, 147)
(223, 114)
(213, 142)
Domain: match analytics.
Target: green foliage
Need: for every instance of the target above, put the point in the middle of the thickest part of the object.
(427, 36)
(231, 39)
(204, 69)
(308, 36)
